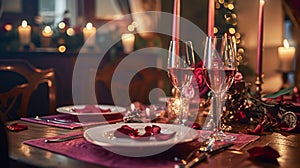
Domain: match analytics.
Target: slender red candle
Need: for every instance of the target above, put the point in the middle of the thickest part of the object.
(211, 18)
(176, 23)
(260, 33)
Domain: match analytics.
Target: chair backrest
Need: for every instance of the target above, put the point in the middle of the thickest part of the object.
(22, 91)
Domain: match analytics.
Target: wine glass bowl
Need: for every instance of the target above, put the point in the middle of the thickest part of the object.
(219, 68)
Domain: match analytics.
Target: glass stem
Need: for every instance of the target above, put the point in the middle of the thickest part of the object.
(219, 111)
(180, 112)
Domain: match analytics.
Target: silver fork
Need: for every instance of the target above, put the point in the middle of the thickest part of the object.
(63, 139)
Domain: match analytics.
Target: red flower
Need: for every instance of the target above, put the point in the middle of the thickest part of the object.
(200, 80)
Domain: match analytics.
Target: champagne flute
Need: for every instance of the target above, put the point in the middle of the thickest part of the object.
(219, 67)
(181, 63)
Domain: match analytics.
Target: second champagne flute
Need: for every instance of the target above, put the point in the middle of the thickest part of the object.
(181, 63)
(219, 66)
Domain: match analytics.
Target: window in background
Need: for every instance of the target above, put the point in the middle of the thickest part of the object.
(107, 10)
(54, 11)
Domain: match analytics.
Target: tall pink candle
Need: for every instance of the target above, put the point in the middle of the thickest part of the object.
(260, 33)
(176, 24)
(211, 18)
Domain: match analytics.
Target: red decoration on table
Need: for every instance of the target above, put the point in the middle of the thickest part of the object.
(126, 131)
(211, 18)
(259, 129)
(17, 127)
(265, 153)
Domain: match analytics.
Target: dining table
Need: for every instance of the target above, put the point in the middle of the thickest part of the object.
(23, 154)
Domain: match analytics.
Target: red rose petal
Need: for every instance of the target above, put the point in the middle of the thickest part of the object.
(17, 127)
(155, 129)
(265, 153)
(257, 131)
(126, 131)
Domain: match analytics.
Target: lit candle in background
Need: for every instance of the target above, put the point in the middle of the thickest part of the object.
(286, 56)
(89, 32)
(128, 42)
(211, 18)
(24, 33)
(260, 33)
(47, 32)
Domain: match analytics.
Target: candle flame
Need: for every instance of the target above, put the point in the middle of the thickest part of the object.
(286, 43)
(89, 26)
(47, 29)
(24, 23)
(62, 25)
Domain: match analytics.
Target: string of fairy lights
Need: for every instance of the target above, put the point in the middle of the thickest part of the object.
(226, 21)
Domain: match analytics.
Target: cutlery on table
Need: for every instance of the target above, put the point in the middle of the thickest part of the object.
(55, 120)
(205, 146)
(63, 139)
(207, 154)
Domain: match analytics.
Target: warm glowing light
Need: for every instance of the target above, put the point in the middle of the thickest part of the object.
(47, 31)
(130, 28)
(8, 27)
(286, 55)
(216, 30)
(286, 43)
(231, 30)
(24, 31)
(24, 23)
(89, 32)
(61, 25)
(135, 24)
(221, 1)
(230, 6)
(233, 15)
(128, 42)
(70, 31)
(89, 26)
(62, 48)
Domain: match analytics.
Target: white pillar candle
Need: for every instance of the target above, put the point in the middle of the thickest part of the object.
(286, 56)
(47, 32)
(128, 42)
(89, 32)
(24, 31)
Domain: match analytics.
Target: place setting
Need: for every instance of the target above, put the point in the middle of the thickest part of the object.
(77, 116)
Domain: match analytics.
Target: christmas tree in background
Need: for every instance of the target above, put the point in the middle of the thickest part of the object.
(226, 22)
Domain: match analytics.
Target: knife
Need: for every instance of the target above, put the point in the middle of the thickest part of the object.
(52, 120)
(207, 154)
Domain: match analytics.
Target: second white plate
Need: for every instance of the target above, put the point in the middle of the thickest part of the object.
(70, 110)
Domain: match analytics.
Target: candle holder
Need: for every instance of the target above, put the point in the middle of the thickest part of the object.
(258, 86)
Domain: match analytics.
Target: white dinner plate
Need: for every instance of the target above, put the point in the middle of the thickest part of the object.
(104, 136)
(69, 110)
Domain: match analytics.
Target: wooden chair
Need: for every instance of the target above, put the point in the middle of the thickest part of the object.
(17, 98)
